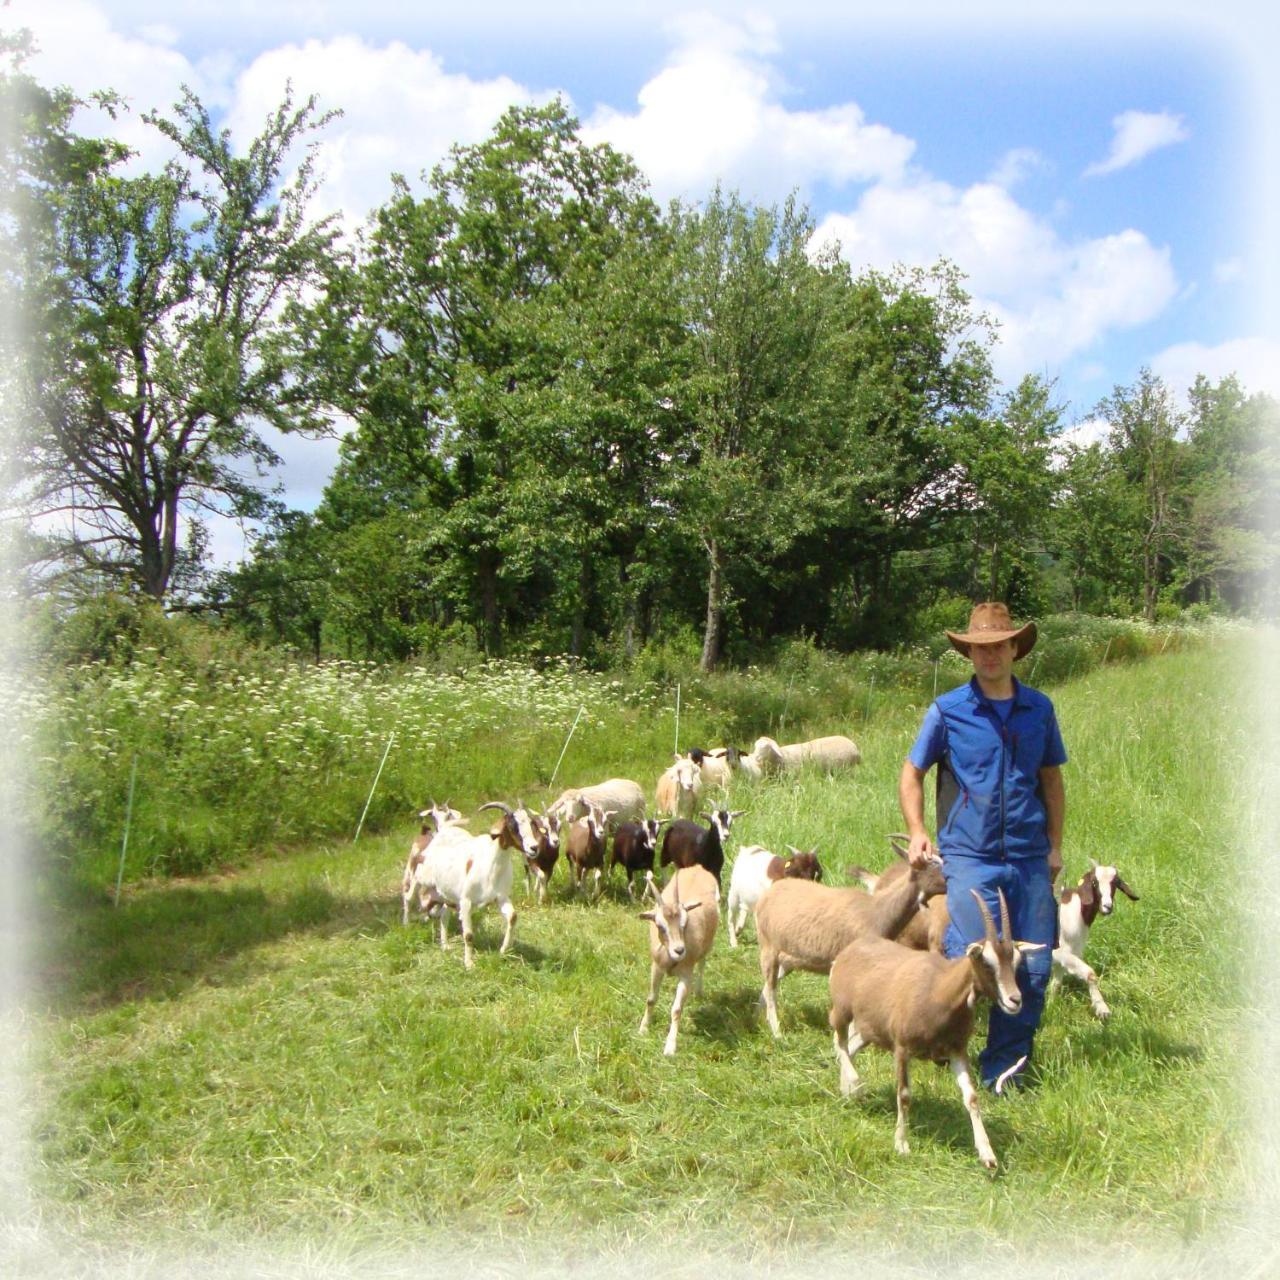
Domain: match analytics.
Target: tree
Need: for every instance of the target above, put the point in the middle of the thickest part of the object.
(1009, 482)
(1144, 424)
(164, 341)
(495, 344)
(756, 310)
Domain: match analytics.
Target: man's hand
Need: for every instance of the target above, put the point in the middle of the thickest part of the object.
(919, 849)
(1055, 865)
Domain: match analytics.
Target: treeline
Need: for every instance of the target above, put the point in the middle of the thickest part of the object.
(577, 422)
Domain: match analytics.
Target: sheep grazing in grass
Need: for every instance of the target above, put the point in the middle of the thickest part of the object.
(1078, 908)
(802, 925)
(620, 796)
(755, 869)
(434, 818)
(635, 845)
(829, 753)
(679, 788)
(682, 927)
(915, 1004)
(716, 766)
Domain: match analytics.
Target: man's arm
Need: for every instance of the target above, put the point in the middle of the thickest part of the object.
(1055, 808)
(911, 798)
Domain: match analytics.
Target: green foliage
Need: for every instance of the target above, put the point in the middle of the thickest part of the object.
(271, 1056)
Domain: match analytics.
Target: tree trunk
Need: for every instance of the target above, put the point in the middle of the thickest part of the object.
(492, 623)
(993, 593)
(714, 634)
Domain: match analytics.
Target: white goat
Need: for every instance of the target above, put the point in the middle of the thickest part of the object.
(468, 872)
(622, 797)
(434, 819)
(918, 1005)
(682, 927)
(755, 869)
(1077, 910)
(679, 788)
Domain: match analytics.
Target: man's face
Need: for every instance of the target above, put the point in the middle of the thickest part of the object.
(993, 662)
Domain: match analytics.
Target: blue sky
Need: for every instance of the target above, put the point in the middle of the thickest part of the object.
(1100, 174)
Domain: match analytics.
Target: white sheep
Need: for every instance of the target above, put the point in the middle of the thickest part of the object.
(829, 753)
(679, 788)
(682, 927)
(623, 798)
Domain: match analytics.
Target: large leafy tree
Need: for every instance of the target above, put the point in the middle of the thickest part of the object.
(1144, 423)
(496, 345)
(162, 343)
(757, 310)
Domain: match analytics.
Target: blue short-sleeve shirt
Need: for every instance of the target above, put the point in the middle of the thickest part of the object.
(990, 802)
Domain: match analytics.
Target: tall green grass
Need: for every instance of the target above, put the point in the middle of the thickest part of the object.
(238, 752)
(270, 1057)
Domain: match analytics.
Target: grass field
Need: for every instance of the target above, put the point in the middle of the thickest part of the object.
(268, 1059)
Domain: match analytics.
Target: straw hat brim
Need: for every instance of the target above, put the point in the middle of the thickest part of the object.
(1024, 639)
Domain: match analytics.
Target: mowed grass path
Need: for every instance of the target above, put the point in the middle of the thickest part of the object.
(272, 1056)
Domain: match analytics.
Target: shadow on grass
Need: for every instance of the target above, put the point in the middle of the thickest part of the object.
(1112, 1040)
(158, 943)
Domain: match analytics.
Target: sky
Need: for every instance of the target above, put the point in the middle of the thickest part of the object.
(1099, 175)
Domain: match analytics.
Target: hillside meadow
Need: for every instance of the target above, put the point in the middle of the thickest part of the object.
(263, 1058)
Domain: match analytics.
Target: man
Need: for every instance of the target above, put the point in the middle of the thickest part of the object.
(1000, 811)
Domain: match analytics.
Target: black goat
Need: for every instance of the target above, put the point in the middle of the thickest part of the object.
(686, 844)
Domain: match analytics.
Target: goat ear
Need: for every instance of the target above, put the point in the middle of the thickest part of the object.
(1084, 891)
(1124, 888)
(973, 949)
(689, 906)
(496, 830)
(646, 915)
(1026, 948)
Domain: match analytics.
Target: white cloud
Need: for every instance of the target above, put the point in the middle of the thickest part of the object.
(1082, 435)
(1053, 298)
(714, 112)
(1136, 135)
(1017, 165)
(1229, 271)
(1256, 361)
(401, 111)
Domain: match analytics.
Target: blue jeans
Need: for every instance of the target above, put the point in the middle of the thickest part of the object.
(1033, 912)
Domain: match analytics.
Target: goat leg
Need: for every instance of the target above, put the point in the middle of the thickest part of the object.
(677, 1007)
(508, 909)
(655, 981)
(901, 1062)
(960, 1069)
(1077, 968)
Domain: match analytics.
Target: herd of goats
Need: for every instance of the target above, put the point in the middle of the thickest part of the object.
(880, 942)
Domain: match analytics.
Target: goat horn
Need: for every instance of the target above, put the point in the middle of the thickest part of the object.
(988, 924)
(497, 804)
(1005, 927)
(899, 849)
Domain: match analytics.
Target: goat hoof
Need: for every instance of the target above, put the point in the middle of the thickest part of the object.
(903, 1148)
(990, 1162)
(1103, 1013)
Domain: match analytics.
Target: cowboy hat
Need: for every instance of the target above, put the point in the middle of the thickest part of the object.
(989, 623)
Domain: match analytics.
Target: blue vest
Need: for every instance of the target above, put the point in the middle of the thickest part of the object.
(990, 803)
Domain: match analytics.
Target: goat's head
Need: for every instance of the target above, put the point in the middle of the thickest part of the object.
(649, 833)
(1106, 883)
(439, 815)
(995, 959)
(515, 830)
(669, 918)
(687, 774)
(722, 820)
(802, 865)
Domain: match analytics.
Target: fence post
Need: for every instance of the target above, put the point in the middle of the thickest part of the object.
(128, 819)
(677, 743)
(372, 789)
(566, 745)
(870, 691)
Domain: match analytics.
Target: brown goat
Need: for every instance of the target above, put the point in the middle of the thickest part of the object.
(803, 925)
(915, 1004)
